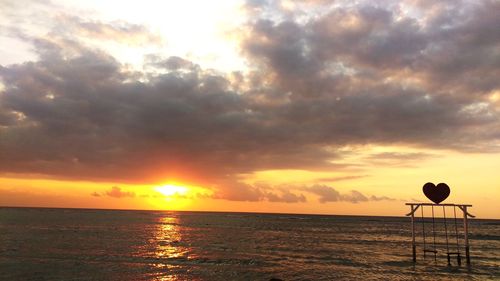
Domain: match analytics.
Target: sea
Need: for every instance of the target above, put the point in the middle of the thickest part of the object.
(83, 244)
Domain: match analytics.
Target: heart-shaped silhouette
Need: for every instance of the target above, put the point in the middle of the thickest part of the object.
(437, 193)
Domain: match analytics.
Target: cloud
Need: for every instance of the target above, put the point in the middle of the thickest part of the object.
(119, 31)
(116, 192)
(344, 77)
(178, 124)
(400, 155)
(407, 159)
(170, 63)
(329, 194)
(381, 198)
(342, 178)
(238, 191)
(286, 196)
(57, 20)
(369, 73)
(326, 193)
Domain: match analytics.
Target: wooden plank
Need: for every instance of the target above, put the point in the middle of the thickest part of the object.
(431, 204)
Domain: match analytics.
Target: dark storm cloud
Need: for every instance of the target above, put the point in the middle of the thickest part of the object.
(354, 75)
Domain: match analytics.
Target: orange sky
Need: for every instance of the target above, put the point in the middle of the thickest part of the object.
(286, 106)
(473, 183)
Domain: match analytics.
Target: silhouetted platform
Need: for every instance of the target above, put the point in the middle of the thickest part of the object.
(431, 247)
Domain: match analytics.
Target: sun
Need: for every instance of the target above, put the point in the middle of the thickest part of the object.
(177, 196)
(170, 190)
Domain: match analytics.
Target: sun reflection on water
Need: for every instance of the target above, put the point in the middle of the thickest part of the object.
(168, 239)
(167, 248)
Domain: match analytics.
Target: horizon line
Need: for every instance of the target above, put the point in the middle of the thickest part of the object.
(208, 211)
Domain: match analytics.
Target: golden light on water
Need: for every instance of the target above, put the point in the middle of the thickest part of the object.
(167, 239)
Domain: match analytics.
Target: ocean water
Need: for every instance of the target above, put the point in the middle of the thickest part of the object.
(72, 244)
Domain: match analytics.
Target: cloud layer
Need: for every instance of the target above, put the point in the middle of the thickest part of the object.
(351, 75)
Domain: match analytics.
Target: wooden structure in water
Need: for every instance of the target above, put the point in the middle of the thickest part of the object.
(445, 231)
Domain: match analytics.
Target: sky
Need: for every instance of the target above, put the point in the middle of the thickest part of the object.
(321, 107)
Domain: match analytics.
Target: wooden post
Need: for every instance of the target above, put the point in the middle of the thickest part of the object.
(466, 235)
(413, 235)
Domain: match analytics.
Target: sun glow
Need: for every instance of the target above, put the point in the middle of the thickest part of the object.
(170, 190)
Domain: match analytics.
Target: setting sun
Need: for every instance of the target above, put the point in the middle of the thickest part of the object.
(170, 190)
